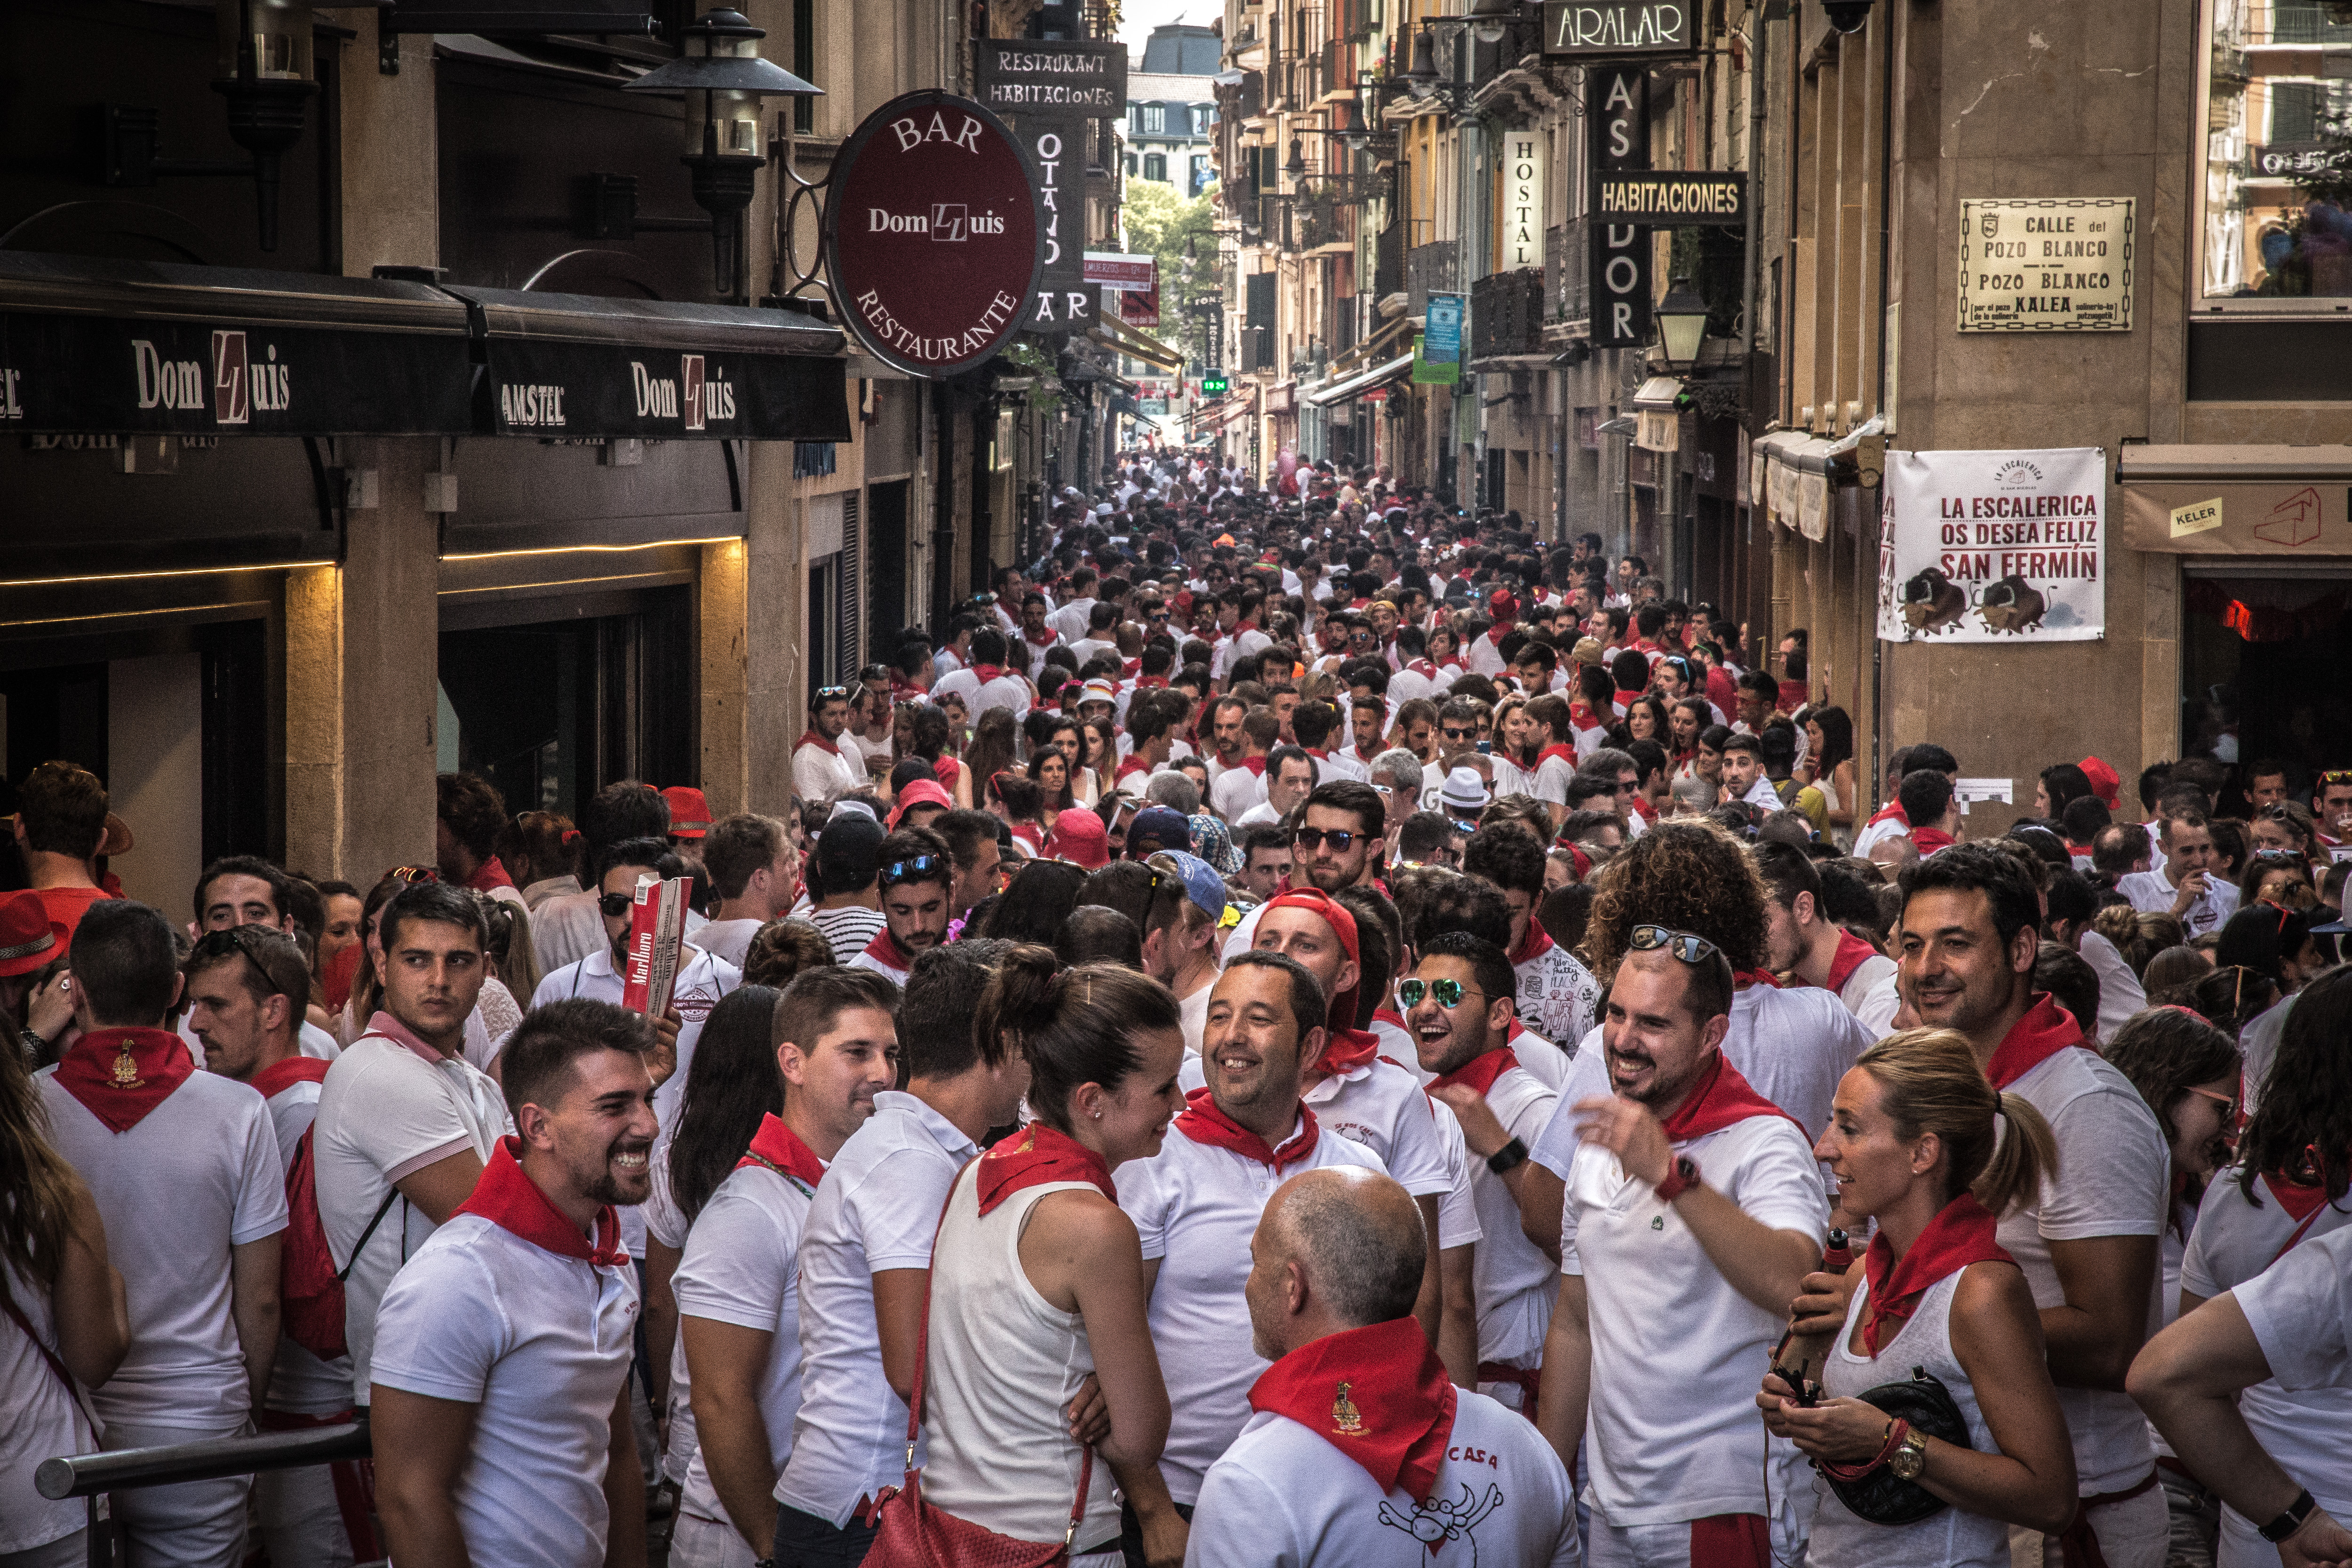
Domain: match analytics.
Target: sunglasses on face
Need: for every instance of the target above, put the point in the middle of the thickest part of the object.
(616, 904)
(1447, 994)
(1311, 838)
(1451, 732)
(1690, 949)
(2228, 1103)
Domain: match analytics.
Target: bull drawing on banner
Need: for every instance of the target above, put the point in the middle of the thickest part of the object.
(1932, 602)
(2012, 605)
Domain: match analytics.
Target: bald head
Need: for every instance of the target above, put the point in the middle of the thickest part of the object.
(1335, 1248)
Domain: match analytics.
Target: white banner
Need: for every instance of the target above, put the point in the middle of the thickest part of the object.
(1988, 547)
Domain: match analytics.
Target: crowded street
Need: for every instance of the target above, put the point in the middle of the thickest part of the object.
(1115, 784)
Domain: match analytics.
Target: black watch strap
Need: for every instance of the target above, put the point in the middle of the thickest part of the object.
(2288, 1522)
(1510, 1157)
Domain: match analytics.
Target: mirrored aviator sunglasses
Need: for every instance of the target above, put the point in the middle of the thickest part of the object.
(1448, 994)
(1690, 949)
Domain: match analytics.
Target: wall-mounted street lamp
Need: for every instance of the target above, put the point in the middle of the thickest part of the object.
(1682, 325)
(724, 78)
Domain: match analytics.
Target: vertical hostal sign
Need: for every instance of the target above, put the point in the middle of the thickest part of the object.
(932, 234)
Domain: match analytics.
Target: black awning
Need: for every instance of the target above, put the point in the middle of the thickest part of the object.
(573, 365)
(96, 347)
(90, 346)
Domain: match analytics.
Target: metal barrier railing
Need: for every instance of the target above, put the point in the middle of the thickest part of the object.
(121, 1469)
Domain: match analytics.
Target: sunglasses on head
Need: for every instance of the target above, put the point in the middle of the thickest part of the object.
(1690, 949)
(831, 693)
(1447, 994)
(413, 873)
(241, 940)
(919, 869)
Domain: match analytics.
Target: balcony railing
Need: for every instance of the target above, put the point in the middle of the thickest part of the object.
(1323, 219)
(1434, 269)
(1566, 271)
(1507, 314)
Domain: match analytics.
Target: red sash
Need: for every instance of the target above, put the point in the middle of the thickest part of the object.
(121, 1074)
(1202, 1121)
(279, 1076)
(1960, 1233)
(1480, 1072)
(1724, 1099)
(507, 1196)
(1851, 954)
(2046, 1029)
(778, 1148)
(1379, 1395)
(1036, 1155)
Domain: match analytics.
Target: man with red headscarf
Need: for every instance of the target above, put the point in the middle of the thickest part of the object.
(1485, 653)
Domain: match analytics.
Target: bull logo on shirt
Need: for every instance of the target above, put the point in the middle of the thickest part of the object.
(1442, 1520)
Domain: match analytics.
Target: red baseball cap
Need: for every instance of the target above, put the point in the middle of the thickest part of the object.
(920, 792)
(690, 813)
(1080, 838)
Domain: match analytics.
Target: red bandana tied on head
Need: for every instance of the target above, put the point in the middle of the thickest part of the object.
(1340, 1015)
(1960, 1233)
(811, 737)
(1851, 954)
(1480, 1072)
(778, 1148)
(1378, 1395)
(121, 1074)
(279, 1076)
(2046, 1029)
(1035, 1155)
(1202, 1121)
(507, 1196)
(1723, 1099)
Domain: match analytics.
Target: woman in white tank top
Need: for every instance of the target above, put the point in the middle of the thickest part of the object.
(1037, 1276)
(1912, 1133)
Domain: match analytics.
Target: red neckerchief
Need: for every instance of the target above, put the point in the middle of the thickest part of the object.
(1533, 944)
(811, 737)
(987, 672)
(121, 1074)
(1389, 1016)
(1029, 833)
(1202, 1121)
(1851, 954)
(1480, 1072)
(1257, 765)
(279, 1076)
(2046, 1029)
(1930, 840)
(778, 1148)
(1743, 978)
(488, 875)
(1132, 764)
(2299, 1201)
(1131, 669)
(1891, 813)
(1247, 624)
(507, 1196)
(1378, 1395)
(1960, 1233)
(1565, 753)
(1725, 1098)
(1038, 1154)
(886, 948)
(1149, 683)
(1343, 1053)
(1044, 638)
(1643, 810)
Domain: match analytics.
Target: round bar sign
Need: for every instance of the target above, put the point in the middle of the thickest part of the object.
(931, 233)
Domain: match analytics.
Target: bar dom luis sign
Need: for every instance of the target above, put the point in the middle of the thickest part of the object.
(932, 234)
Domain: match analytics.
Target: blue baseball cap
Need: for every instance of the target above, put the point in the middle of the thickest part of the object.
(1202, 884)
(1164, 825)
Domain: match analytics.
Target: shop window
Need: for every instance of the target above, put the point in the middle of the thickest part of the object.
(2277, 192)
(2251, 639)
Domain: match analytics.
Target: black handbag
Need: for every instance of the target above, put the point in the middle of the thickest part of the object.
(1882, 1497)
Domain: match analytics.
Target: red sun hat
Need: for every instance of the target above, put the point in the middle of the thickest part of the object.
(690, 813)
(29, 939)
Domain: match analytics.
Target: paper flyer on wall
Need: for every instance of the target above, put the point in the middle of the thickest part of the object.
(656, 930)
(1994, 547)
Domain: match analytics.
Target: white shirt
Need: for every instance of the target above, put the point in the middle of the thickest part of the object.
(194, 1177)
(1552, 776)
(742, 1266)
(1670, 1432)
(1872, 832)
(1235, 790)
(1263, 813)
(2120, 992)
(700, 983)
(565, 929)
(1515, 1283)
(2300, 1310)
(2151, 893)
(877, 1210)
(2114, 1178)
(1793, 1044)
(1381, 1105)
(1284, 1496)
(43, 1420)
(822, 775)
(728, 940)
(1559, 998)
(1484, 656)
(1070, 621)
(386, 1113)
(1195, 1208)
(540, 1344)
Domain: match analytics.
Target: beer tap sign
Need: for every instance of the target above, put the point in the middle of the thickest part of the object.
(932, 233)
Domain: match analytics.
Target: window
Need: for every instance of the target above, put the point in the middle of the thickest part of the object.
(1155, 166)
(2276, 222)
(1130, 165)
(1155, 118)
(1201, 179)
(1135, 120)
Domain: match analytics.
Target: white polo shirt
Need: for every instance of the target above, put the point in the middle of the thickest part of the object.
(2152, 893)
(702, 980)
(2114, 1180)
(1517, 1284)
(389, 1108)
(1195, 1208)
(1670, 1432)
(1382, 1106)
(743, 1266)
(877, 1209)
(1284, 1496)
(194, 1177)
(540, 1344)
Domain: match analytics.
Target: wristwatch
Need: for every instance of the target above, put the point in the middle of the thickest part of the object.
(1510, 1157)
(1680, 1178)
(2290, 1520)
(34, 1044)
(1910, 1456)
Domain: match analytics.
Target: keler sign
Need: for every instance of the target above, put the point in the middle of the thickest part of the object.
(931, 233)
